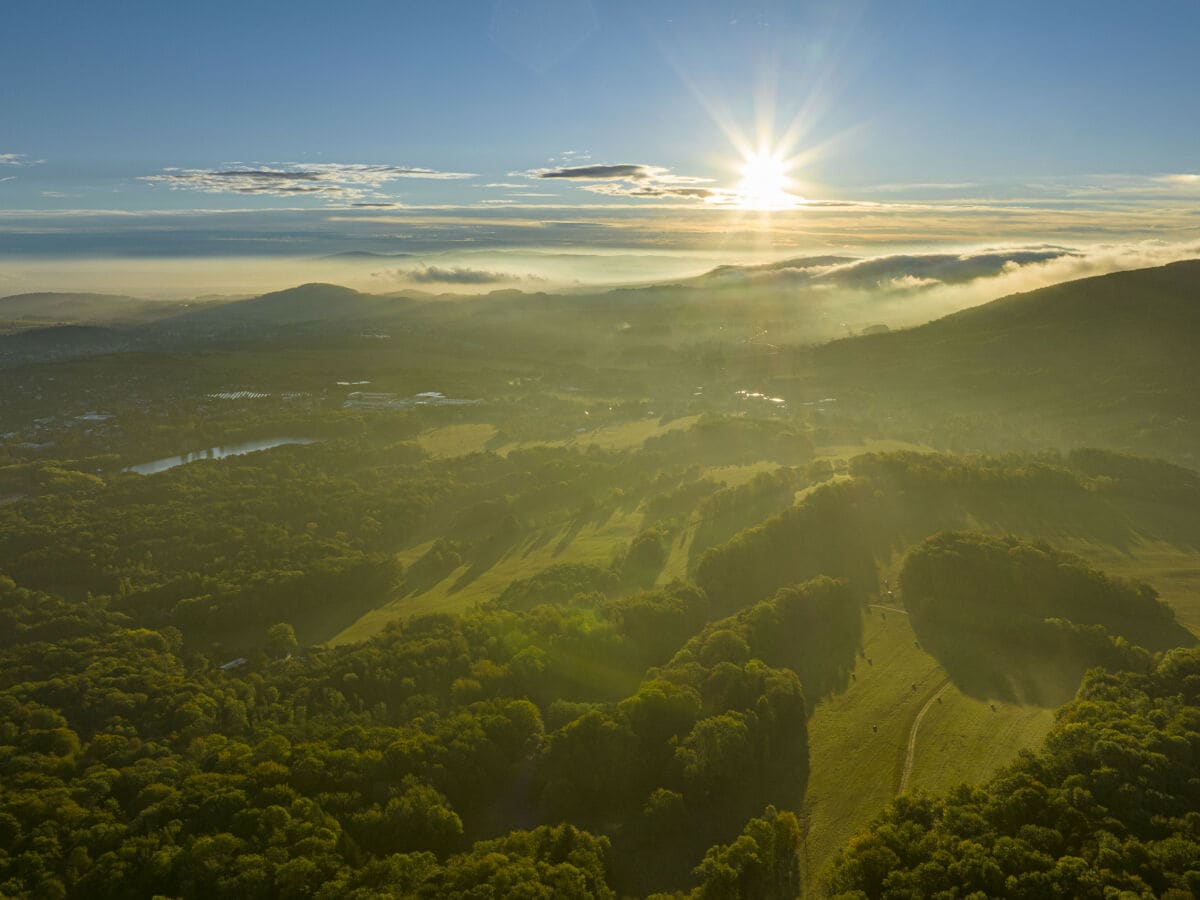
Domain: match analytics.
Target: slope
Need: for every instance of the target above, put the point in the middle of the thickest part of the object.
(1108, 360)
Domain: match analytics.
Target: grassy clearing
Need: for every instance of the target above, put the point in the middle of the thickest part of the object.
(676, 565)
(592, 542)
(629, 434)
(856, 771)
(677, 559)
(735, 476)
(965, 739)
(456, 440)
(621, 436)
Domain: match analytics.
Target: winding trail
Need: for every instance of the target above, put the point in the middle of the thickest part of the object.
(910, 753)
(912, 735)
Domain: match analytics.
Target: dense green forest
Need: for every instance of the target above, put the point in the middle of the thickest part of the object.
(624, 628)
(655, 723)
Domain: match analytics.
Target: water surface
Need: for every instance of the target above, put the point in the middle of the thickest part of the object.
(170, 462)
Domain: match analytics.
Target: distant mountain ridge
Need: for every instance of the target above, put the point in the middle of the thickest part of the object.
(49, 306)
(305, 303)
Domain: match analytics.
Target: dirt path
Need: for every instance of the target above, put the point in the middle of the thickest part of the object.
(895, 609)
(912, 735)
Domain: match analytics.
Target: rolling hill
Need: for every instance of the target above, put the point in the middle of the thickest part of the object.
(1106, 360)
(305, 303)
(84, 309)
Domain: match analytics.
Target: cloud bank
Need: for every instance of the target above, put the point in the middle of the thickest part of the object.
(909, 271)
(909, 289)
(455, 275)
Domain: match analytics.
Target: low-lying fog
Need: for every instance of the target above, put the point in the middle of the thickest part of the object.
(908, 285)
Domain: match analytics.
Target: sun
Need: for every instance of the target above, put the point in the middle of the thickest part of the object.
(765, 182)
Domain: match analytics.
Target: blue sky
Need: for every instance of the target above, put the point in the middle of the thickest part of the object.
(288, 110)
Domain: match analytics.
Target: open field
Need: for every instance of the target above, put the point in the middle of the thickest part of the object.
(858, 739)
(619, 436)
(593, 543)
(456, 440)
(964, 738)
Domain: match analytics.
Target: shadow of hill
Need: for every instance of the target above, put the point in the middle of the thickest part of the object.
(987, 666)
(1023, 621)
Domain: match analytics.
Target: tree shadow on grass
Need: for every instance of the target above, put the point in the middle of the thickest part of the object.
(540, 540)
(595, 516)
(321, 623)
(486, 554)
(994, 667)
(1038, 662)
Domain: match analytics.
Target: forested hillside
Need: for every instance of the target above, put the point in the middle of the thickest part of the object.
(1105, 360)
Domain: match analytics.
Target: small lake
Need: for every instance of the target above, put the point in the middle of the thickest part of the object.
(170, 462)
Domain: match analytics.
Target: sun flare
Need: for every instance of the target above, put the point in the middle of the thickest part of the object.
(765, 182)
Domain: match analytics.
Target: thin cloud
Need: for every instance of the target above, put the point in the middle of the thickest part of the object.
(18, 159)
(638, 181)
(900, 186)
(659, 191)
(618, 172)
(1178, 186)
(841, 204)
(1183, 178)
(338, 181)
(622, 170)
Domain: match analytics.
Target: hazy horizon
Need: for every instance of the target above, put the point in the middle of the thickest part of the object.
(557, 270)
(534, 144)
